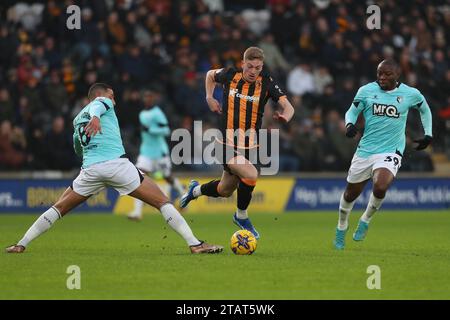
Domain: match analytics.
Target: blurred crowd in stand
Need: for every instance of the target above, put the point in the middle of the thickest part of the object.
(320, 52)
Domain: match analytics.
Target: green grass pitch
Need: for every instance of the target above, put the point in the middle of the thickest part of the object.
(295, 258)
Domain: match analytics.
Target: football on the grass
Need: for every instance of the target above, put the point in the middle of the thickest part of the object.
(243, 242)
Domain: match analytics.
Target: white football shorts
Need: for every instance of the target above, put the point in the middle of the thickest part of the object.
(119, 174)
(152, 165)
(361, 169)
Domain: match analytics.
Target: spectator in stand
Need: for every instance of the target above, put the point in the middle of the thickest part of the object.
(61, 154)
(55, 93)
(300, 80)
(12, 146)
(322, 78)
(273, 57)
(7, 111)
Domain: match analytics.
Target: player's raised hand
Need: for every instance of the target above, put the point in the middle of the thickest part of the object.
(351, 130)
(423, 143)
(279, 117)
(214, 105)
(93, 127)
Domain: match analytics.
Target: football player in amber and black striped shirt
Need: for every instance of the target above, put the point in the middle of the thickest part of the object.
(246, 91)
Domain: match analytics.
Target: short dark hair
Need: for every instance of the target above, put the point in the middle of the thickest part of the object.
(98, 86)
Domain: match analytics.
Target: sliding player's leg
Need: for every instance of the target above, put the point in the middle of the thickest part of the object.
(151, 194)
(68, 201)
(145, 165)
(136, 213)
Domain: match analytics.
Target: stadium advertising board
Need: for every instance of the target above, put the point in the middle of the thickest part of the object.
(37, 195)
(405, 193)
(270, 195)
(274, 195)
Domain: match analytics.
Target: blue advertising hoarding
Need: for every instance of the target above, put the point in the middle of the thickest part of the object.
(38, 195)
(404, 193)
(299, 194)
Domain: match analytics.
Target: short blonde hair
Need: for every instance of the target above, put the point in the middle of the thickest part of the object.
(254, 53)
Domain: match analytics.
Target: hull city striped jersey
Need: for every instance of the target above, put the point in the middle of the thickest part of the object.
(243, 105)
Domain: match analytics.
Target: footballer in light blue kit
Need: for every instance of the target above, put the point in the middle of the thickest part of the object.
(101, 147)
(154, 151)
(97, 139)
(384, 104)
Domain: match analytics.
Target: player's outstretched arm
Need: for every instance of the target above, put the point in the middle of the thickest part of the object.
(287, 110)
(93, 127)
(427, 123)
(351, 130)
(426, 118)
(98, 108)
(351, 116)
(424, 142)
(210, 84)
(350, 119)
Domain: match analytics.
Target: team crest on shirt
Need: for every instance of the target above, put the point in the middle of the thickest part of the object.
(399, 99)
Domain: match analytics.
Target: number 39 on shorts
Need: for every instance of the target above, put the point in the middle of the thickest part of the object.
(390, 159)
